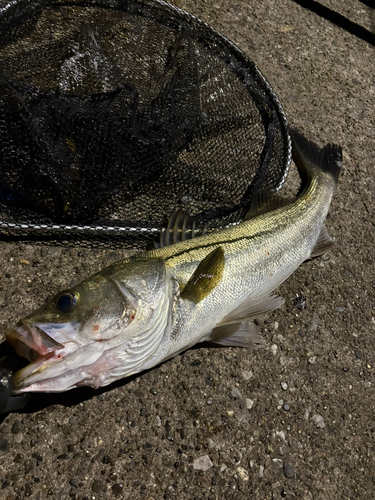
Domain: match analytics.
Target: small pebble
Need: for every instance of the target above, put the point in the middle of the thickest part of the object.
(277, 463)
(319, 421)
(314, 323)
(98, 486)
(241, 416)
(18, 458)
(153, 391)
(249, 403)
(107, 459)
(117, 488)
(4, 445)
(28, 490)
(288, 470)
(284, 386)
(197, 362)
(274, 349)
(242, 473)
(184, 360)
(358, 354)
(209, 401)
(286, 407)
(18, 438)
(247, 375)
(202, 463)
(167, 462)
(74, 483)
(211, 443)
(236, 393)
(16, 427)
(300, 302)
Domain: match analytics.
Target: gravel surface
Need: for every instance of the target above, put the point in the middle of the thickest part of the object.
(293, 420)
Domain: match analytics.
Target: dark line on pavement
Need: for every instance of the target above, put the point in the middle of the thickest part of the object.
(369, 3)
(338, 19)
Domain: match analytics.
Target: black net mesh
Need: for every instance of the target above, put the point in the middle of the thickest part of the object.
(113, 113)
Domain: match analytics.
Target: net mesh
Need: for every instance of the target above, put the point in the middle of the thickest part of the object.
(114, 113)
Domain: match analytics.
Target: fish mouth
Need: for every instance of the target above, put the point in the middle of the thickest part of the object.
(41, 344)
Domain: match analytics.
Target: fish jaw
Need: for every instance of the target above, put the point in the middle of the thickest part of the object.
(43, 345)
(62, 372)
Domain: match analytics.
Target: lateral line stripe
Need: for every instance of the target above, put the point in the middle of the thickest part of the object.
(216, 243)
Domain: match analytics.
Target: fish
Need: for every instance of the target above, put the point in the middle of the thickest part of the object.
(197, 286)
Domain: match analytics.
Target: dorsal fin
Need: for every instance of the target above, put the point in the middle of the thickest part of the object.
(180, 227)
(265, 202)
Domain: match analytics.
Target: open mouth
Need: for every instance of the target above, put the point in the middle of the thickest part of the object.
(31, 341)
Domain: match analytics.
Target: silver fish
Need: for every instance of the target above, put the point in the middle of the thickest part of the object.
(145, 309)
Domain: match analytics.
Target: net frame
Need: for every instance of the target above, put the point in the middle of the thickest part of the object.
(34, 227)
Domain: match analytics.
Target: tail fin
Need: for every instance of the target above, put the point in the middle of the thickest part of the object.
(307, 156)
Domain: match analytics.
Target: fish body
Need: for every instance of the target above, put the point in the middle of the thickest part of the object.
(147, 308)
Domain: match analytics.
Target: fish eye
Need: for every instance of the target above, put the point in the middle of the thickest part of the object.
(66, 301)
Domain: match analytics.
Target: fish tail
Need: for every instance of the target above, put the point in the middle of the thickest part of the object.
(308, 157)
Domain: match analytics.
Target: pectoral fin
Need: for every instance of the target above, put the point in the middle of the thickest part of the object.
(252, 308)
(206, 277)
(238, 328)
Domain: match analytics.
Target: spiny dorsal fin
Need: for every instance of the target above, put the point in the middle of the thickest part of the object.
(323, 244)
(265, 202)
(206, 277)
(180, 227)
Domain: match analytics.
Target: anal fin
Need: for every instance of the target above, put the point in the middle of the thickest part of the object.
(323, 244)
(238, 335)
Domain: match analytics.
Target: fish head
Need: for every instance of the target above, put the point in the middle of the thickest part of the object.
(83, 334)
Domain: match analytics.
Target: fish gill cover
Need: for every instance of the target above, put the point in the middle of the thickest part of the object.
(114, 113)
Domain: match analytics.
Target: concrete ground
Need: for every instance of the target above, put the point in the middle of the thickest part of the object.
(293, 420)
